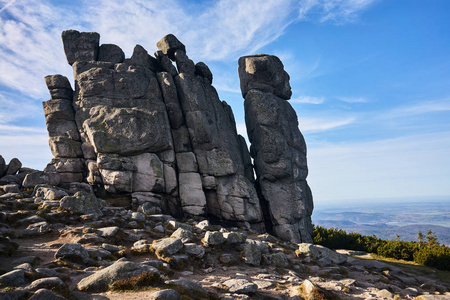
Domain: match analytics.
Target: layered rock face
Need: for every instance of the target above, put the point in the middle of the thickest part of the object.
(154, 129)
(277, 147)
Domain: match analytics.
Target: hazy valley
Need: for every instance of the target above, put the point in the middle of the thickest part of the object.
(386, 219)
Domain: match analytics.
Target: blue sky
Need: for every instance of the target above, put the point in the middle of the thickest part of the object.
(370, 78)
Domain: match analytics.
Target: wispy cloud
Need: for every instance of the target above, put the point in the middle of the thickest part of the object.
(136, 22)
(226, 81)
(353, 99)
(13, 107)
(229, 20)
(31, 47)
(313, 125)
(308, 100)
(223, 30)
(25, 140)
(422, 108)
(7, 5)
(30, 44)
(10, 129)
(337, 11)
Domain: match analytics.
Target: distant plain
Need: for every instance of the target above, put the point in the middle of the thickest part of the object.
(387, 218)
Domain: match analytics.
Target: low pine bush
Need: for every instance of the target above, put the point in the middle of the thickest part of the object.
(428, 254)
(433, 256)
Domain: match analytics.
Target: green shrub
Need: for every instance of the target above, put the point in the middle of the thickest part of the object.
(433, 256)
(398, 249)
(429, 254)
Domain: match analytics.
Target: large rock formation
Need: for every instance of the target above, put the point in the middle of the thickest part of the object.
(158, 131)
(277, 147)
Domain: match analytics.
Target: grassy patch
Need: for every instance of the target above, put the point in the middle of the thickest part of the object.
(415, 268)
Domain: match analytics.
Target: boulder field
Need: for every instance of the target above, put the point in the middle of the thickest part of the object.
(58, 243)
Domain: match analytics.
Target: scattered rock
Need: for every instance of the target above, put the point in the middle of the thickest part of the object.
(320, 252)
(384, 294)
(100, 280)
(433, 297)
(183, 234)
(31, 259)
(253, 251)
(173, 225)
(310, 291)
(280, 260)
(194, 250)
(72, 252)
(165, 295)
(26, 267)
(82, 203)
(36, 229)
(241, 286)
(35, 178)
(167, 247)
(233, 238)
(13, 278)
(13, 166)
(213, 238)
(48, 283)
(44, 294)
(14, 295)
(189, 288)
(11, 188)
(108, 232)
(141, 246)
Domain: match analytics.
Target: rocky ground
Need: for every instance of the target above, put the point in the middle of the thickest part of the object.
(57, 244)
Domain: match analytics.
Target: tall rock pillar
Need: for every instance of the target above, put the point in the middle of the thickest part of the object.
(214, 174)
(277, 147)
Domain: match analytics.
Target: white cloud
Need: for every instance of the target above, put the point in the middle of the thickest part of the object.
(320, 124)
(8, 129)
(227, 82)
(223, 30)
(127, 23)
(30, 45)
(233, 28)
(353, 99)
(7, 5)
(421, 108)
(337, 11)
(308, 100)
(16, 107)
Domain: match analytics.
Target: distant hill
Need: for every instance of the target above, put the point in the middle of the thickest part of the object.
(385, 231)
(388, 219)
